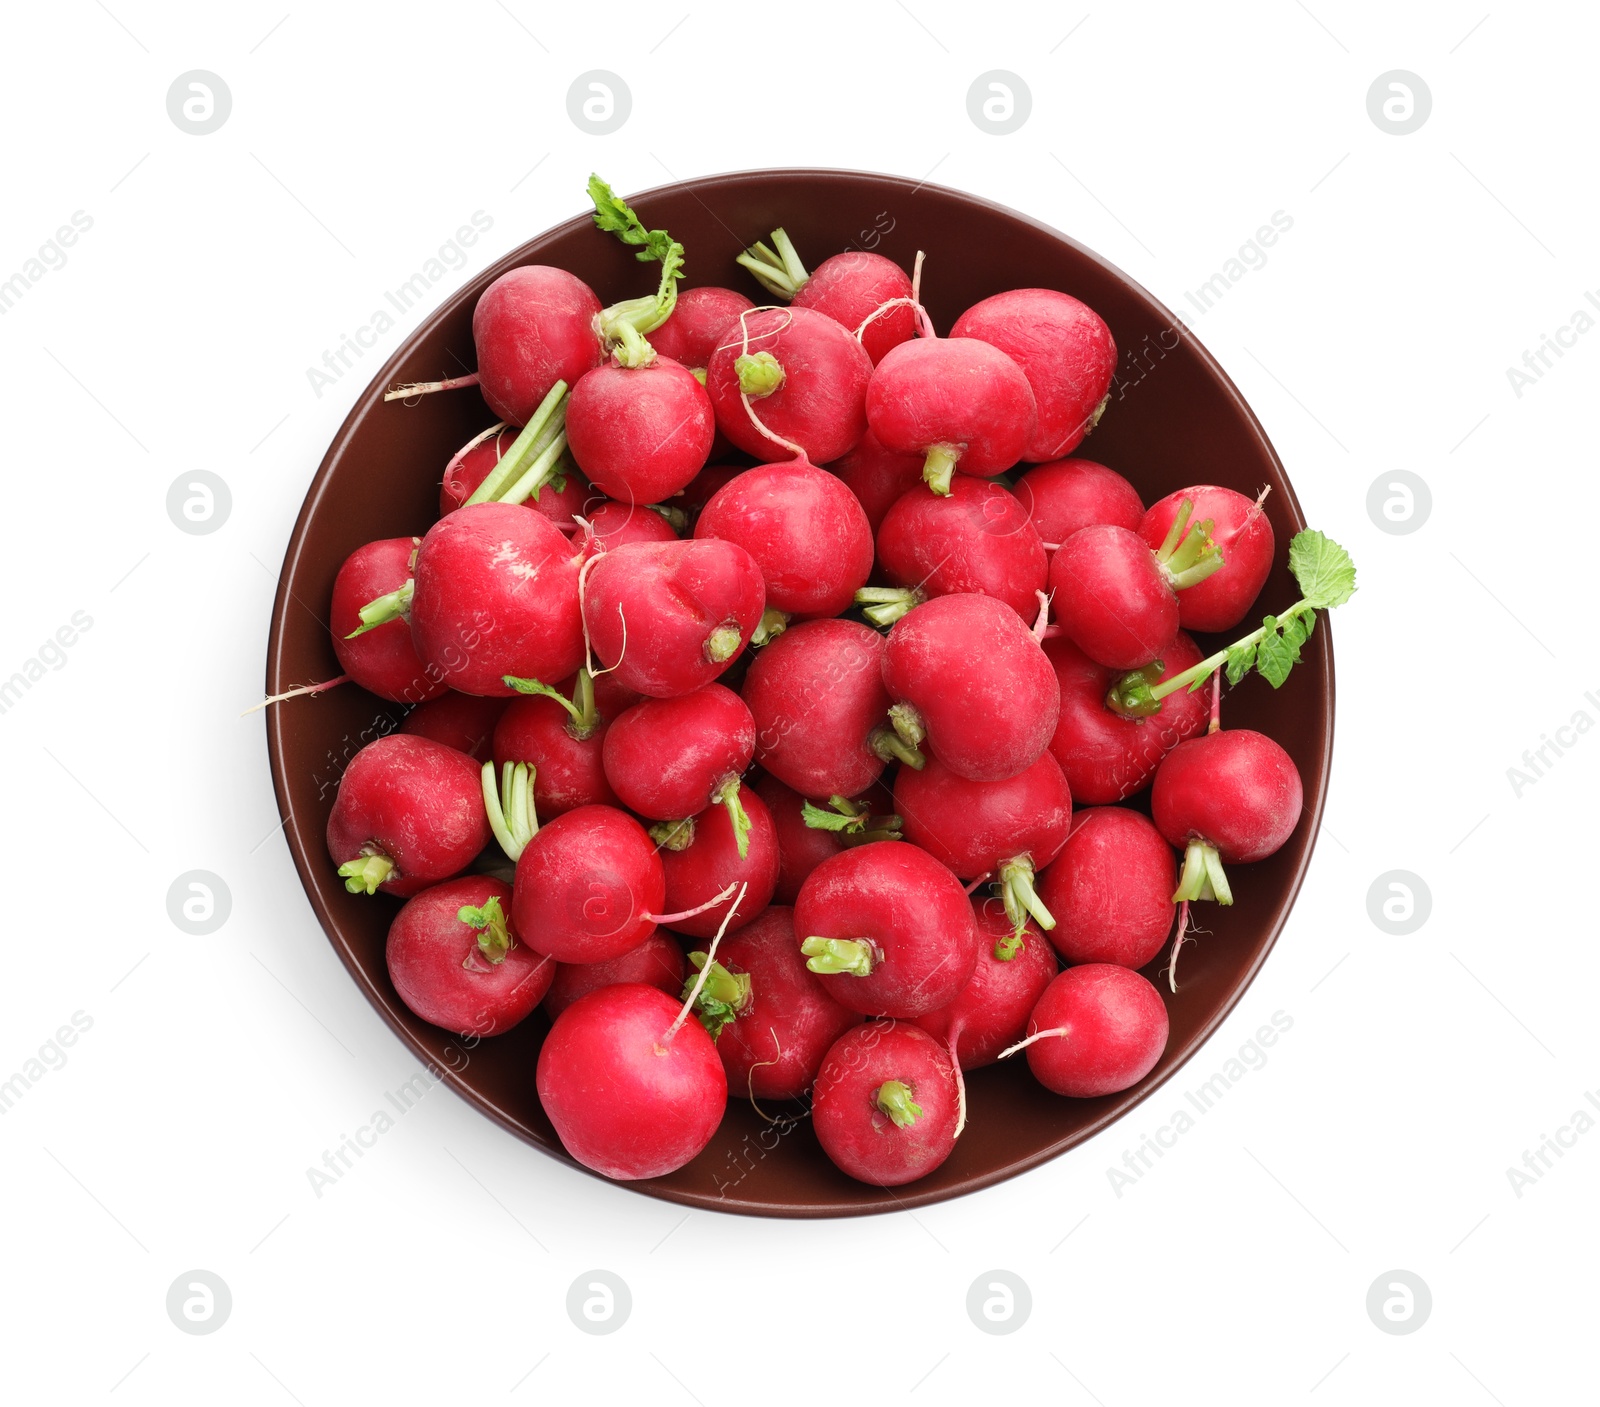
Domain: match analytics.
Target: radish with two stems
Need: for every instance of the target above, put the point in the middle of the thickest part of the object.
(1243, 535)
(1098, 1029)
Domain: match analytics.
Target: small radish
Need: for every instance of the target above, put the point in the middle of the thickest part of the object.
(1064, 348)
(1068, 494)
(971, 680)
(456, 962)
(694, 329)
(866, 293)
(669, 617)
(789, 381)
(1242, 534)
(462, 721)
(560, 737)
(560, 499)
(409, 813)
(1009, 830)
(632, 1092)
(705, 857)
(1108, 752)
(889, 928)
(589, 886)
(958, 402)
(611, 525)
(816, 695)
(1116, 598)
(640, 427)
(657, 962)
(1111, 889)
(1098, 1029)
(885, 1104)
(381, 658)
(671, 758)
(771, 1018)
(877, 477)
(805, 529)
(976, 538)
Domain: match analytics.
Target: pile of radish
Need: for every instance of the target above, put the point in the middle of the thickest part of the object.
(756, 663)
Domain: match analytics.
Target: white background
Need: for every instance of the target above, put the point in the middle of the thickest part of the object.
(1377, 337)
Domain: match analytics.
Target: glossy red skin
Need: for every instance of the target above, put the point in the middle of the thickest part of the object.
(1241, 530)
(624, 1101)
(711, 863)
(991, 1012)
(657, 962)
(1110, 890)
(694, 329)
(462, 721)
(533, 326)
(1068, 494)
(560, 505)
(496, 594)
(911, 908)
(1066, 351)
(428, 946)
(1106, 756)
(954, 391)
(821, 405)
(977, 539)
(801, 848)
(1118, 1029)
(877, 476)
(850, 286)
(613, 525)
(774, 1047)
(862, 1140)
(568, 772)
(1111, 597)
(816, 693)
(383, 661)
(672, 596)
(807, 531)
(414, 800)
(985, 690)
(1236, 790)
(640, 433)
(664, 757)
(584, 885)
(610, 696)
(973, 826)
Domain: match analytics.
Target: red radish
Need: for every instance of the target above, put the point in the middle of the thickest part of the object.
(958, 402)
(588, 886)
(889, 928)
(807, 835)
(698, 320)
(669, 617)
(817, 697)
(462, 721)
(805, 529)
(771, 1018)
(885, 1104)
(612, 525)
(703, 487)
(788, 381)
(496, 593)
(1098, 1029)
(657, 962)
(1111, 889)
(705, 856)
(671, 758)
(1068, 494)
(381, 658)
(456, 962)
(1230, 797)
(640, 430)
(1244, 537)
(533, 327)
(1009, 829)
(971, 680)
(409, 813)
(1108, 755)
(867, 293)
(632, 1093)
(877, 477)
(560, 499)
(559, 732)
(976, 538)
(1066, 351)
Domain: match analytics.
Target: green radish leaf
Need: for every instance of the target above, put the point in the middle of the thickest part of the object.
(820, 820)
(614, 216)
(1326, 575)
(1241, 660)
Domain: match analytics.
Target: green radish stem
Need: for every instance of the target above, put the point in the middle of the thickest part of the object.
(534, 456)
(494, 936)
(723, 643)
(777, 268)
(622, 326)
(392, 605)
(851, 822)
(728, 794)
(856, 956)
(584, 717)
(891, 747)
(1203, 876)
(693, 994)
(893, 1097)
(1021, 900)
(939, 466)
(772, 624)
(676, 836)
(760, 373)
(1188, 555)
(367, 871)
(510, 807)
(676, 518)
(886, 604)
(722, 996)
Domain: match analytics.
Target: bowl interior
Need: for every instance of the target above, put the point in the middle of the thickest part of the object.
(1174, 419)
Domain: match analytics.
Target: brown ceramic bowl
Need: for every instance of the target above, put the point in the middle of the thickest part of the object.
(1174, 419)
